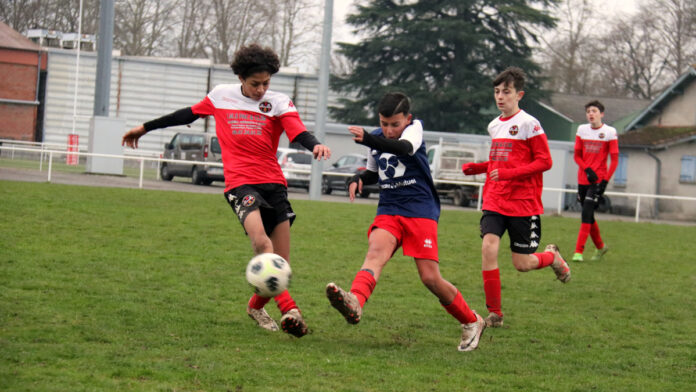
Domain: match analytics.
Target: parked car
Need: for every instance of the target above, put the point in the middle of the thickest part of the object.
(291, 160)
(200, 147)
(347, 165)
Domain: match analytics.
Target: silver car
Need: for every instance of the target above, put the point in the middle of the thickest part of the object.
(200, 148)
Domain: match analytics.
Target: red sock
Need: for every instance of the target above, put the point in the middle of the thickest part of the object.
(460, 310)
(363, 285)
(582, 237)
(596, 238)
(258, 302)
(545, 259)
(285, 302)
(491, 286)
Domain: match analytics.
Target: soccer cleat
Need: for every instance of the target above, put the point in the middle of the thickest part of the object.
(262, 318)
(559, 266)
(345, 302)
(599, 253)
(293, 323)
(494, 320)
(471, 334)
(578, 257)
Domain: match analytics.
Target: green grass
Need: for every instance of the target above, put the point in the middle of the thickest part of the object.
(132, 290)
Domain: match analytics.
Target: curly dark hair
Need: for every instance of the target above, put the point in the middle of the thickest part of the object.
(251, 59)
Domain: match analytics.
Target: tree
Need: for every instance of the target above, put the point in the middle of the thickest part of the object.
(677, 29)
(634, 60)
(568, 53)
(442, 53)
(294, 30)
(141, 27)
(193, 32)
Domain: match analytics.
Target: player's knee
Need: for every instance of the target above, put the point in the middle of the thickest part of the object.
(521, 262)
(430, 281)
(261, 244)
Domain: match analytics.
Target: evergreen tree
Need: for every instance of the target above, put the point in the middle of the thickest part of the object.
(442, 53)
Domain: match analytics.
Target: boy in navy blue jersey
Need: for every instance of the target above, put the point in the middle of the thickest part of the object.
(407, 216)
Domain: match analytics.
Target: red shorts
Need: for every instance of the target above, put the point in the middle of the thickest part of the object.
(417, 236)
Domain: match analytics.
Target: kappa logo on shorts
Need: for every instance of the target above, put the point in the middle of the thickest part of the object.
(265, 106)
(248, 200)
(513, 130)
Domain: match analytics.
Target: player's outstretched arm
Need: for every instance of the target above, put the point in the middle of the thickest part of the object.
(130, 139)
(308, 141)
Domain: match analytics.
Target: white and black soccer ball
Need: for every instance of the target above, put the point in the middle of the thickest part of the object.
(269, 274)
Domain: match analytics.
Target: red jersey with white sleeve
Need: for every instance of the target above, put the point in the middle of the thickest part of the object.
(592, 148)
(249, 132)
(520, 152)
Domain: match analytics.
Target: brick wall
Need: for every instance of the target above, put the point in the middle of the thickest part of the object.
(18, 82)
(18, 121)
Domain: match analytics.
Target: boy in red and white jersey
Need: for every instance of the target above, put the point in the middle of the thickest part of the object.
(594, 143)
(512, 192)
(249, 120)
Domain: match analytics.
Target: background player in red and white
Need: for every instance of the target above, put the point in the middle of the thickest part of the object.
(407, 216)
(249, 119)
(594, 142)
(512, 192)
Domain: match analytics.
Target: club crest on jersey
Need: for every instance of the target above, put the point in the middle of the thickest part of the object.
(248, 200)
(265, 107)
(513, 130)
(601, 135)
(390, 167)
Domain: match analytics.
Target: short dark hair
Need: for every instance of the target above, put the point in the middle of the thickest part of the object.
(394, 103)
(596, 104)
(251, 59)
(511, 75)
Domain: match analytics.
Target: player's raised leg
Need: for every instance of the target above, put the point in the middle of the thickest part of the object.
(381, 246)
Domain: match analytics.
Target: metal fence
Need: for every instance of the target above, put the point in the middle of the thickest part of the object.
(48, 154)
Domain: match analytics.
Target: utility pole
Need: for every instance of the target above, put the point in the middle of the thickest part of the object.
(322, 98)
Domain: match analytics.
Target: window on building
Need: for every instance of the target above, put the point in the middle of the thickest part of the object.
(620, 176)
(688, 169)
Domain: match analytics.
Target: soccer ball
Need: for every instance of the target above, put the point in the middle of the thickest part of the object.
(269, 274)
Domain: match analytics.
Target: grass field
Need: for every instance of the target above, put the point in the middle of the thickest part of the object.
(131, 290)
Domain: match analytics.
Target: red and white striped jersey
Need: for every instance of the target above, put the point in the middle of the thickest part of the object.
(592, 148)
(249, 132)
(520, 152)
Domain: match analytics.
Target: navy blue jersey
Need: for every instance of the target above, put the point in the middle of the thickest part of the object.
(406, 185)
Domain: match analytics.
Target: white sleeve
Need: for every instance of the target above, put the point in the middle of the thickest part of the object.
(414, 134)
(371, 162)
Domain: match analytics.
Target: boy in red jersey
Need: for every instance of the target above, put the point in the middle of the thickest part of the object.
(249, 119)
(407, 216)
(512, 192)
(594, 142)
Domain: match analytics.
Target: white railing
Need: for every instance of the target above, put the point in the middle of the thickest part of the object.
(142, 159)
